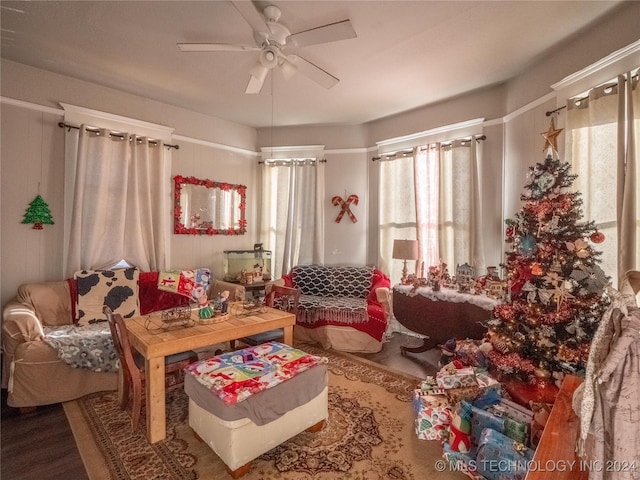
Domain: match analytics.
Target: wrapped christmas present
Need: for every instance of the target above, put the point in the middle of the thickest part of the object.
(433, 415)
(454, 375)
(523, 392)
(483, 419)
(517, 419)
(460, 428)
(486, 387)
(429, 386)
(504, 419)
(502, 458)
(461, 462)
(472, 352)
(541, 412)
(456, 395)
(485, 380)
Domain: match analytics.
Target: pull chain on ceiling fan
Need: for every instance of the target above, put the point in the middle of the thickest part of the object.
(271, 39)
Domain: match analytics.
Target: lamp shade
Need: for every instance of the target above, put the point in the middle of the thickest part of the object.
(405, 249)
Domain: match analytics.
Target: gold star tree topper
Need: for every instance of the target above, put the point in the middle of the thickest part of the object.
(551, 136)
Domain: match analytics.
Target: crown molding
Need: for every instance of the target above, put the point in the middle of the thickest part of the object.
(622, 60)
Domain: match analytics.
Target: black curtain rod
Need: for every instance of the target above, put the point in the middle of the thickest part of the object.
(551, 112)
(401, 152)
(91, 129)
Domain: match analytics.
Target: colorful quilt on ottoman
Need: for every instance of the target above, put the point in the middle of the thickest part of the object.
(235, 376)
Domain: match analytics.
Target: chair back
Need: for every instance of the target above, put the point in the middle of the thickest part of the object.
(283, 298)
(122, 344)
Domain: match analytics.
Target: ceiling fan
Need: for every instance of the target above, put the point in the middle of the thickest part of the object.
(271, 39)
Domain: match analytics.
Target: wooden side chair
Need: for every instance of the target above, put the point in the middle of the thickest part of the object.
(282, 298)
(131, 377)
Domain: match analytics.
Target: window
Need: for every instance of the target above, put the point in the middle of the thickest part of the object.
(602, 144)
(432, 195)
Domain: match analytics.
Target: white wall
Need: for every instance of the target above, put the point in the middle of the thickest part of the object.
(346, 242)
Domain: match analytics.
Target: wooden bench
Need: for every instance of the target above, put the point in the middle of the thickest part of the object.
(555, 456)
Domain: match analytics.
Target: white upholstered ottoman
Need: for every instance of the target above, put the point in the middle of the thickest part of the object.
(241, 432)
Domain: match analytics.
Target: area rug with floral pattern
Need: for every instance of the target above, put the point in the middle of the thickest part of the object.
(369, 434)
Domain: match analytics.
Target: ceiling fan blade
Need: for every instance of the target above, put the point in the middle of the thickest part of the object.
(255, 85)
(287, 68)
(327, 33)
(215, 47)
(251, 15)
(313, 72)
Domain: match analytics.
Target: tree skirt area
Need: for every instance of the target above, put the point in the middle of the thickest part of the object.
(369, 434)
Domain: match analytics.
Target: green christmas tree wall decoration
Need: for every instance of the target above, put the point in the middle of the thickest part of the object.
(38, 213)
(557, 289)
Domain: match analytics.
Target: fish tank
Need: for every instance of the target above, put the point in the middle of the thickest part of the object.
(247, 266)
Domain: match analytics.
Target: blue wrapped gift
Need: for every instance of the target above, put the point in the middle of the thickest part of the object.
(481, 419)
(502, 458)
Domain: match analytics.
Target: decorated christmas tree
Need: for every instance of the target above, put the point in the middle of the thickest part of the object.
(556, 287)
(38, 213)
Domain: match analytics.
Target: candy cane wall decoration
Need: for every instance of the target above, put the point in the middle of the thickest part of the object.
(344, 207)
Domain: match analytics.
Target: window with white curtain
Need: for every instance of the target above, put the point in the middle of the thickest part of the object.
(117, 191)
(432, 196)
(292, 212)
(397, 211)
(602, 145)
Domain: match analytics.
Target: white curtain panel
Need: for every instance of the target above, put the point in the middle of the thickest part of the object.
(397, 212)
(292, 213)
(117, 206)
(602, 131)
(460, 225)
(629, 206)
(427, 188)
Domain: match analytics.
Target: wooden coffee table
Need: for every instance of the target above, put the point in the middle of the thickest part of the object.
(154, 345)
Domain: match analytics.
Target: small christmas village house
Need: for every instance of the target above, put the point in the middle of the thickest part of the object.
(494, 287)
(464, 277)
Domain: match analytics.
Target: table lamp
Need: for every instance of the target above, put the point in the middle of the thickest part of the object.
(405, 250)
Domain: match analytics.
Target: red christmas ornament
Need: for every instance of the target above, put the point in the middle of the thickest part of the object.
(597, 237)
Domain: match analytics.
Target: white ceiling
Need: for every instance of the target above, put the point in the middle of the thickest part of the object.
(406, 54)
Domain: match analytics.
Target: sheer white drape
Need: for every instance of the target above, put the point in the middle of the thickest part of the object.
(292, 213)
(433, 197)
(397, 212)
(602, 136)
(116, 203)
(460, 225)
(427, 188)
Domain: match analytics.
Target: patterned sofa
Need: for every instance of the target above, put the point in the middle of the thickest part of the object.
(341, 307)
(45, 340)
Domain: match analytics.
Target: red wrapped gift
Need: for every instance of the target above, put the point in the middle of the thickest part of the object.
(524, 393)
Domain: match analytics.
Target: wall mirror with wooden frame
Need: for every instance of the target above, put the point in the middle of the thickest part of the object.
(207, 207)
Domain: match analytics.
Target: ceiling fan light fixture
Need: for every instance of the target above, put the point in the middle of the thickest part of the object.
(269, 57)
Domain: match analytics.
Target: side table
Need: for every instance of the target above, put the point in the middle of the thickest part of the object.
(440, 315)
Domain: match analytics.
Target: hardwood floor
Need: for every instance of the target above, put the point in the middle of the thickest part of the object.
(40, 445)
